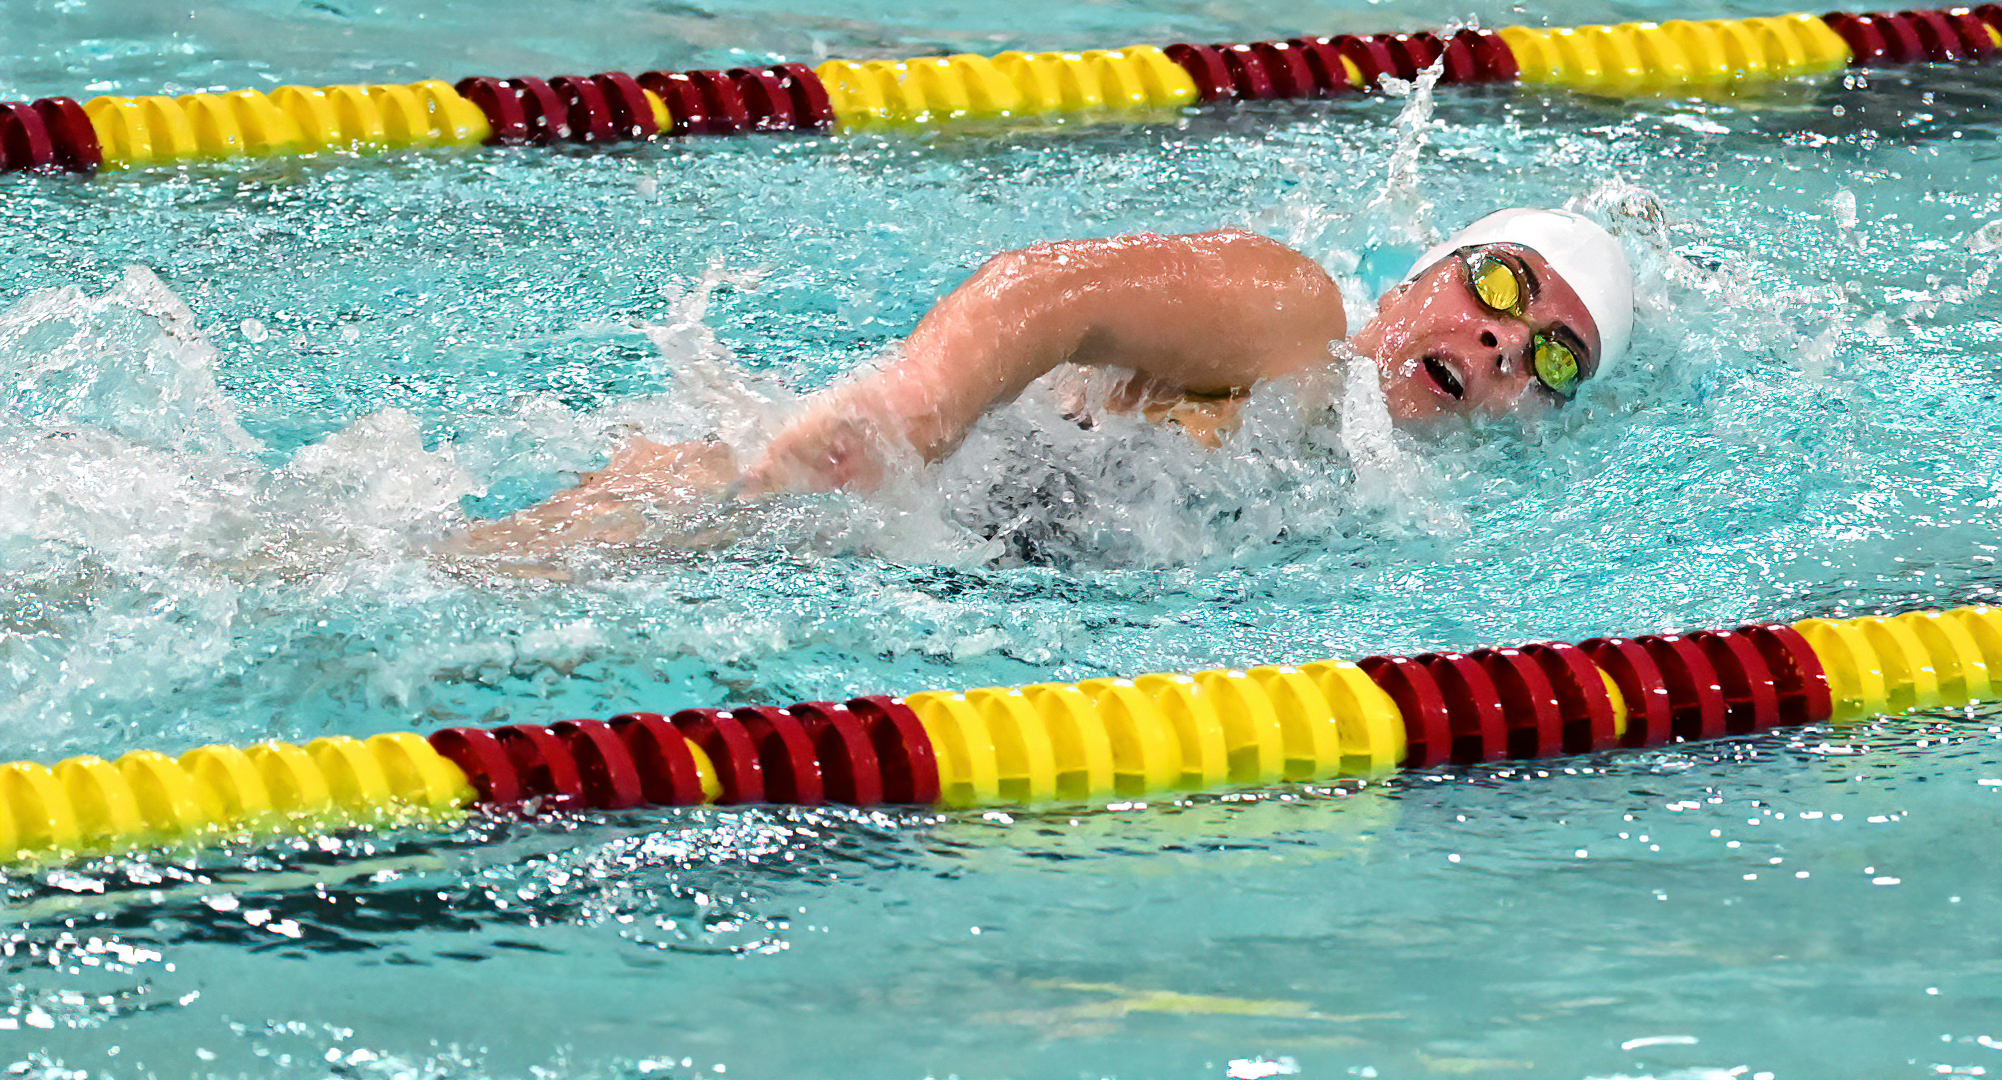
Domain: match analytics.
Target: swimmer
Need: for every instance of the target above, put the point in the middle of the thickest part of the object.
(1509, 314)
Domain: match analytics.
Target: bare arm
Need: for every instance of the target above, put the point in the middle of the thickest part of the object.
(1206, 313)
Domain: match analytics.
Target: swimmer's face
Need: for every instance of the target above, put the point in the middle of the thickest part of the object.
(1444, 351)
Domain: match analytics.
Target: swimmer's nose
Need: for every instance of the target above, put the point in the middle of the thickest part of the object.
(1504, 348)
(1491, 357)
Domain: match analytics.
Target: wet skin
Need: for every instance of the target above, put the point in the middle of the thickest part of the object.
(1442, 352)
(1196, 318)
(1204, 314)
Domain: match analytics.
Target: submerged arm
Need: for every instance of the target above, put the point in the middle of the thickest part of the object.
(1206, 313)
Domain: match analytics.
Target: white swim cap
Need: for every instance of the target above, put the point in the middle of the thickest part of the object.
(1583, 254)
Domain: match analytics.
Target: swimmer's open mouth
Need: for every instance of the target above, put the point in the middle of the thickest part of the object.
(1445, 379)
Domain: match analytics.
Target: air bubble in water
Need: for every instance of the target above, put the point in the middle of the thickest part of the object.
(253, 330)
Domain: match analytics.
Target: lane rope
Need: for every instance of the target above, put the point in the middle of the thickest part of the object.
(57, 134)
(1090, 741)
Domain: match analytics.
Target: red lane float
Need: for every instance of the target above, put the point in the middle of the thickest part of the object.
(49, 133)
(787, 755)
(739, 768)
(606, 108)
(607, 775)
(1883, 39)
(784, 97)
(1429, 737)
(1310, 67)
(864, 752)
(668, 773)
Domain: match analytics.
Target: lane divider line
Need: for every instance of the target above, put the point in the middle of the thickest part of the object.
(1091, 741)
(610, 108)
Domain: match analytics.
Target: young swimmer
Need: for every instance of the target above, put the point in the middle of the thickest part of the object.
(1512, 312)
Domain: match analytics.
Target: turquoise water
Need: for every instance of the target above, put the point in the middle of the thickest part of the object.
(239, 398)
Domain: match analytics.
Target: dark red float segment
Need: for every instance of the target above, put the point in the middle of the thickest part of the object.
(544, 765)
(791, 765)
(1529, 704)
(487, 767)
(49, 133)
(606, 772)
(1324, 63)
(507, 123)
(849, 770)
(1901, 39)
(1370, 54)
(766, 100)
(632, 114)
(589, 114)
(1312, 66)
(1881, 39)
(1419, 51)
(1261, 70)
(603, 108)
(731, 749)
(1973, 33)
(77, 148)
(1248, 74)
(1751, 699)
(1867, 47)
(24, 138)
(667, 770)
(782, 97)
(700, 102)
(903, 750)
(1937, 36)
(1696, 700)
(1585, 708)
(1204, 65)
(1472, 703)
(1804, 696)
(811, 108)
(547, 116)
(1494, 61)
(863, 753)
(1650, 716)
(1428, 728)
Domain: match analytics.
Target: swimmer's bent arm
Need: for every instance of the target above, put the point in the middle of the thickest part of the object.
(1202, 313)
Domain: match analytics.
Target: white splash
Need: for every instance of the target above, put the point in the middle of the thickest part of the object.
(1387, 476)
(1401, 206)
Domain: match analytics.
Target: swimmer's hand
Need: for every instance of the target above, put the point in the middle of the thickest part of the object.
(646, 485)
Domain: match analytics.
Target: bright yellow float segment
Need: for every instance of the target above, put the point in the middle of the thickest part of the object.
(1670, 56)
(1126, 738)
(90, 805)
(1921, 660)
(291, 120)
(1136, 79)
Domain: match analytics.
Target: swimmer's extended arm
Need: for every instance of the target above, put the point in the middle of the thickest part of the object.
(1206, 313)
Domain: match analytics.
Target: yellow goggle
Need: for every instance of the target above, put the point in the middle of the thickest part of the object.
(1498, 285)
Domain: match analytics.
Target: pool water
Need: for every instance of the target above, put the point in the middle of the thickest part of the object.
(240, 398)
